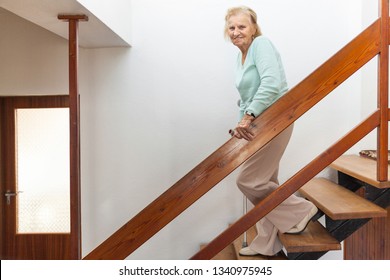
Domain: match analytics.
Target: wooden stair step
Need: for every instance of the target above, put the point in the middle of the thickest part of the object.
(315, 238)
(338, 202)
(360, 168)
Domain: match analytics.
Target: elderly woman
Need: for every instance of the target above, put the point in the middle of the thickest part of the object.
(260, 80)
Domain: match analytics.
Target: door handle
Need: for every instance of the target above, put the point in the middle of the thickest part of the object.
(9, 194)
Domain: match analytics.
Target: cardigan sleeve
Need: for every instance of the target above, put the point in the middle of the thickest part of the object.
(269, 69)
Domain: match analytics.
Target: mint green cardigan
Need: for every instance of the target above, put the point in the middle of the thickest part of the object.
(261, 79)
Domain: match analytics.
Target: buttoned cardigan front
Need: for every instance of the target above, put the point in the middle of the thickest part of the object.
(261, 79)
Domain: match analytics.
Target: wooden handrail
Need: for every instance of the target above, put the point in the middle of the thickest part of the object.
(233, 153)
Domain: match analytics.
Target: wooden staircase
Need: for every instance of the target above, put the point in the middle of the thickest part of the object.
(372, 42)
(344, 211)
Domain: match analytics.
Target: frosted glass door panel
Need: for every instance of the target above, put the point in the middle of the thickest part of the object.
(42, 168)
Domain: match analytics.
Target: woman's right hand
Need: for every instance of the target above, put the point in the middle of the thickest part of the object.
(242, 131)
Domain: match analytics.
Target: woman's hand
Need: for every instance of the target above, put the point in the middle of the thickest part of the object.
(242, 131)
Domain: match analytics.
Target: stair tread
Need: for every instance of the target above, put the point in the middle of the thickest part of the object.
(338, 202)
(315, 238)
(360, 168)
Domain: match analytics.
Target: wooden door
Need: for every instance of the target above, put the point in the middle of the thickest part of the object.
(34, 227)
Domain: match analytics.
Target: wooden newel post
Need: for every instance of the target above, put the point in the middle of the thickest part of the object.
(74, 114)
(383, 91)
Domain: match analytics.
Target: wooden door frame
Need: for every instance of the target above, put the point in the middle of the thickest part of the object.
(2, 182)
(35, 102)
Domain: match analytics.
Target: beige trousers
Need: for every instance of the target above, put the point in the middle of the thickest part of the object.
(259, 177)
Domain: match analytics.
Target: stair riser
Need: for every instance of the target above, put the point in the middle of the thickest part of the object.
(344, 228)
(306, 255)
(370, 193)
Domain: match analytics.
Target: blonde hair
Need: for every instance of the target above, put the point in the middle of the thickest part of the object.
(242, 10)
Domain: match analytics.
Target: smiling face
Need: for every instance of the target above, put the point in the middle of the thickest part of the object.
(241, 31)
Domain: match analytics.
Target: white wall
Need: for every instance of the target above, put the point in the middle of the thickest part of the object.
(152, 112)
(369, 78)
(32, 61)
(112, 17)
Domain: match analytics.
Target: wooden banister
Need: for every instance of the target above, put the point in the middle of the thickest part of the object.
(383, 93)
(233, 153)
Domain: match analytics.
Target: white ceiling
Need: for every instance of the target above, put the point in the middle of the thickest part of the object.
(92, 34)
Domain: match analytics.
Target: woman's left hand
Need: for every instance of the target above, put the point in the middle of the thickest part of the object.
(242, 131)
